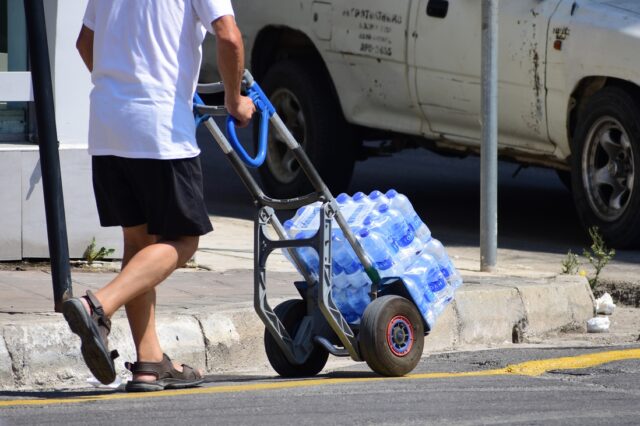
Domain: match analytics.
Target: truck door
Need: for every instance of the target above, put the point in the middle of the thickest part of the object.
(368, 59)
(447, 61)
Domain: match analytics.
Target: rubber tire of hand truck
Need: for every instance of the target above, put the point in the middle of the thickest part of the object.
(327, 139)
(391, 337)
(291, 313)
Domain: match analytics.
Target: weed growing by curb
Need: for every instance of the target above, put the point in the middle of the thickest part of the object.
(570, 264)
(598, 256)
(91, 254)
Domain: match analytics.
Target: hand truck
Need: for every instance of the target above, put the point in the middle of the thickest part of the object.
(301, 333)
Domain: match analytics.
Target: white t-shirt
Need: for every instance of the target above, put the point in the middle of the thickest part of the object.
(146, 61)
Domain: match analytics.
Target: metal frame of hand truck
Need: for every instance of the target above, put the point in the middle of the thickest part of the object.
(321, 309)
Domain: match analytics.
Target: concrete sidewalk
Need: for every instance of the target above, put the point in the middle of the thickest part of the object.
(206, 317)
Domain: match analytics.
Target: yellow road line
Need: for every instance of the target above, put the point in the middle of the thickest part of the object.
(536, 368)
(529, 368)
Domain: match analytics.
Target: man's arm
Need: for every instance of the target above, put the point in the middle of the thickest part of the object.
(84, 44)
(230, 55)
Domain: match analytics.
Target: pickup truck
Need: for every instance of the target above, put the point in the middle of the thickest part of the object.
(407, 72)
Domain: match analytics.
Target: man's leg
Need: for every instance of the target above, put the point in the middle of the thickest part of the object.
(141, 310)
(146, 269)
(135, 286)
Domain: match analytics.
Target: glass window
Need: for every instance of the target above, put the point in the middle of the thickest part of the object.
(13, 57)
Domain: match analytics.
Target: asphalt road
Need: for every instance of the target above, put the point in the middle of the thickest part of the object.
(542, 386)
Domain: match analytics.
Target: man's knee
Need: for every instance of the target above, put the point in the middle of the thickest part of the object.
(186, 246)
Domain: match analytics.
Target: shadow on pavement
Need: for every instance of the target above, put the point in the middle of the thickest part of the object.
(57, 394)
(535, 211)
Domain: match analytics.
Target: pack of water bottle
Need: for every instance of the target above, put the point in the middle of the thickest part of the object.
(395, 239)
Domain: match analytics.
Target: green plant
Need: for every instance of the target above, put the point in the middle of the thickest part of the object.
(91, 254)
(570, 264)
(598, 255)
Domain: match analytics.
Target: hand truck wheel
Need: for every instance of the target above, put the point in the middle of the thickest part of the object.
(291, 313)
(391, 336)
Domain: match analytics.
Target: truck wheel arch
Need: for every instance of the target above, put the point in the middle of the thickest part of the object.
(584, 90)
(278, 43)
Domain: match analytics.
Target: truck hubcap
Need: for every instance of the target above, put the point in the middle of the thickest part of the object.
(608, 169)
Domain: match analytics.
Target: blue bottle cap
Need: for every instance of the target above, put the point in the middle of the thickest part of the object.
(383, 208)
(391, 193)
(358, 196)
(364, 232)
(342, 198)
(367, 221)
(375, 194)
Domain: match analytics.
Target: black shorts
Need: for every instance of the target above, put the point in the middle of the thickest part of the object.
(166, 195)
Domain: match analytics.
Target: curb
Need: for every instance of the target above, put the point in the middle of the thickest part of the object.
(43, 354)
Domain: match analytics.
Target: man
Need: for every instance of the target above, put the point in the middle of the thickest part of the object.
(144, 57)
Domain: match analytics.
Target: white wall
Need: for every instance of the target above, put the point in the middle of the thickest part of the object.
(22, 218)
(72, 81)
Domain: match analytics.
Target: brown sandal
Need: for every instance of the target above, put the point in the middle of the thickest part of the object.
(167, 377)
(93, 330)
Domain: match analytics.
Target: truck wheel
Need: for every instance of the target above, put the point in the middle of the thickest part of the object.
(291, 312)
(565, 177)
(302, 97)
(606, 166)
(391, 336)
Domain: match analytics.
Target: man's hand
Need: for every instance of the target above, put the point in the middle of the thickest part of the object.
(241, 109)
(230, 51)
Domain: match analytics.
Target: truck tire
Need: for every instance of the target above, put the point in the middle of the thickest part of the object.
(606, 166)
(303, 98)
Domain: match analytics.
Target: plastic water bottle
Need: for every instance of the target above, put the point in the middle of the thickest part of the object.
(426, 270)
(290, 233)
(358, 298)
(421, 295)
(341, 300)
(363, 207)
(392, 223)
(378, 198)
(380, 252)
(401, 203)
(361, 198)
(308, 256)
(338, 277)
(379, 224)
(307, 217)
(437, 250)
(346, 205)
(344, 256)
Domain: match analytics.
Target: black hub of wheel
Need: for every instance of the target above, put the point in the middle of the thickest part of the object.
(400, 335)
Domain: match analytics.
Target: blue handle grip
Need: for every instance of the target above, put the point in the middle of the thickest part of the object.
(199, 118)
(263, 105)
